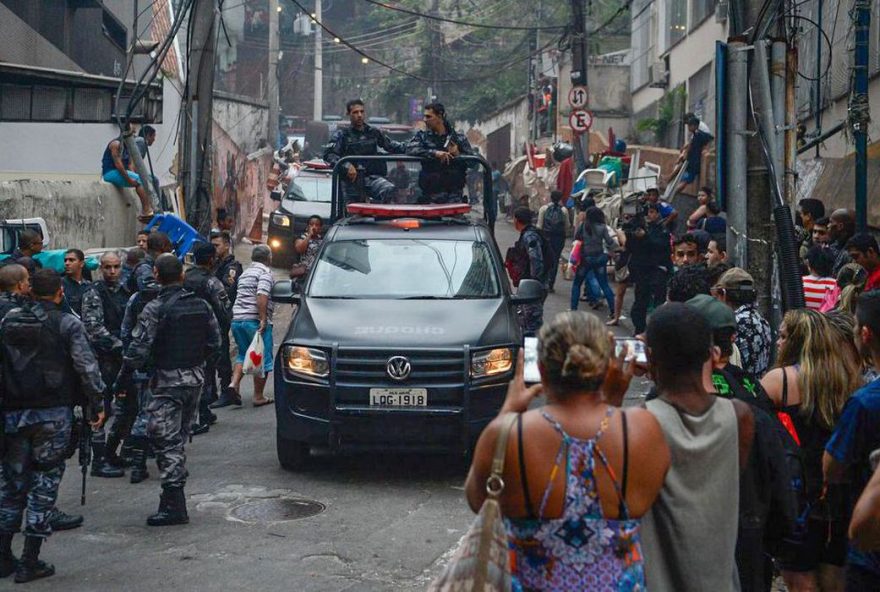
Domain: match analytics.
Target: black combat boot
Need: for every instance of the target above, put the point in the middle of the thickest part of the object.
(63, 521)
(30, 567)
(101, 467)
(110, 449)
(139, 460)
(172, 508)
(125, 452)
(8, 562)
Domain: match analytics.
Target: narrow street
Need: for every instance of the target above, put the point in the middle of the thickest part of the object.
(385, 522)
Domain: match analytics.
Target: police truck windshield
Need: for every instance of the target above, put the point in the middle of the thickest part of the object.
(310, 188)
(405, 269)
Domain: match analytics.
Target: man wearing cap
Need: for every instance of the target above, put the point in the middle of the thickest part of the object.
(764, 492)
(736, 289)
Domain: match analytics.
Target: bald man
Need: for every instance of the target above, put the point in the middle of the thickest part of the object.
(841, 228)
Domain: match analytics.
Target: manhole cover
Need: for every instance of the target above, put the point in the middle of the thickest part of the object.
(277, 510)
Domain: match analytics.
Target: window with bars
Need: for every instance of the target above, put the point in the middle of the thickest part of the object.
(44, 102)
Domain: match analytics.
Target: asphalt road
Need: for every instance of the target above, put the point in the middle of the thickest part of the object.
(385, 522)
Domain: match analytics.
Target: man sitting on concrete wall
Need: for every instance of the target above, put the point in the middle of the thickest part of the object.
(114, 170)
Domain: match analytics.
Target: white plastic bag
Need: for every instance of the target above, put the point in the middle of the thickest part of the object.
(253, 357)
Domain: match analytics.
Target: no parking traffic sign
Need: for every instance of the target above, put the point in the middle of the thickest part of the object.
(580, 121)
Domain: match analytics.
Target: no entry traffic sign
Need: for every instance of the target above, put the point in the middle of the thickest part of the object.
(580, 120)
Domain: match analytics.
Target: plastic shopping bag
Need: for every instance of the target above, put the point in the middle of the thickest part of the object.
(253, 358)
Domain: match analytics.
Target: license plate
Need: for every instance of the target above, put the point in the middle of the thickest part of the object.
(401, 397)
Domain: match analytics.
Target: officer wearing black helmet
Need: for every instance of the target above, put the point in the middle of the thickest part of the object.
(362, 139)
(201, 281)
(177, 334)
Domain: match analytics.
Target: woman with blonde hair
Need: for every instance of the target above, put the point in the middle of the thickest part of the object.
(816, 370)
(579, 473)
(851, 280)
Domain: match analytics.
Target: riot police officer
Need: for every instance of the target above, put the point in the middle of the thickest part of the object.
(443, 177)
(228, 272)
(176, 333)
(201, 281)
(362, 139)
(47, 366)
(14, 287)
(142, 273)
(103, 307)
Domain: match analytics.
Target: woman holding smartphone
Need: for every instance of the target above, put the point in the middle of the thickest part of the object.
(575, 462)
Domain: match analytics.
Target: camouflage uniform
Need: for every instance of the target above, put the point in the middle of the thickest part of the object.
(38, 396)
(103, 308)
(207, 287)
(531, 316)
(440, 183)
(175, 392)
(228, 272)
(366, 141)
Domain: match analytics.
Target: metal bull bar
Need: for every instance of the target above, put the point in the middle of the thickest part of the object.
(337, 206)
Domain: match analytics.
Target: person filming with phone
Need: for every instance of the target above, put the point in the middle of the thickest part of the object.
(576, 466)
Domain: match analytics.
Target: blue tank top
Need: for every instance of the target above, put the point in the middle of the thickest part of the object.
(107, 159)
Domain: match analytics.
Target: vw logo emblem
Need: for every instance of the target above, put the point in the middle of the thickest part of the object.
(398, 368)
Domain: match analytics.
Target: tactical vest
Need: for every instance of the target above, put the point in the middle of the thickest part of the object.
(131, 283)
(196, 281)
(114, 305)
(182, 335)
(37, 369)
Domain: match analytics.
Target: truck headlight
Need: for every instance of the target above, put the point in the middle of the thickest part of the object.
(281, 220)
(492, 362)
(306, 361)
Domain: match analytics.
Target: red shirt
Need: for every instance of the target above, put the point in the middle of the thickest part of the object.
(873, 282)
(565, 179)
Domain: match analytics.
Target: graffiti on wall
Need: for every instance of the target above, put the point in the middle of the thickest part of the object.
(239, 183)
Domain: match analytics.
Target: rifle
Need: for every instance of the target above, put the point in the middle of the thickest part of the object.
(85, 450)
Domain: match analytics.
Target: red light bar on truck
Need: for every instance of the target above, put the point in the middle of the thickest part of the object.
(316, 164)
(408, 210)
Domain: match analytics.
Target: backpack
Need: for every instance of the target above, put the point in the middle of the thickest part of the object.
(550, 259)
(794, 460)
(781, 467)
(554, 220)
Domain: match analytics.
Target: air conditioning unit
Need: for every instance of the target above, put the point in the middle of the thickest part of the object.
(722, 10)
(658, 76)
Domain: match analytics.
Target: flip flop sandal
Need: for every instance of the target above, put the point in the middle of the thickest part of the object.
(144, 218)
(263, 403)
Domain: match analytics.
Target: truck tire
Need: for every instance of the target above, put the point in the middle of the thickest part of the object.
(292, 455)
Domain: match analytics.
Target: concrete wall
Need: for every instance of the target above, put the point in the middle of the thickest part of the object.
(79, 214)
(515, 114)
(244, 120)
(610, 98)
(72, 151)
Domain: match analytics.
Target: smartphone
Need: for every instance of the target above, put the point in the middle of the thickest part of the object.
(531, 374)
(636, 349)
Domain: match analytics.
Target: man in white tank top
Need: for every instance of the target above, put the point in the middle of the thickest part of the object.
(689, 535)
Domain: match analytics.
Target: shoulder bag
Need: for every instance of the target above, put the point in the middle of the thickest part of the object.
(481, 562)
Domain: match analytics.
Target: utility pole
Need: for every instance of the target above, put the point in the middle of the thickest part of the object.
(579, 71)
(859, 113)
(195, 152)
(272, 78)
(736, 116)
(318, 112)
(434, 58)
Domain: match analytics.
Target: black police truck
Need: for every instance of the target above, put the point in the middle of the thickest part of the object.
(405, 334)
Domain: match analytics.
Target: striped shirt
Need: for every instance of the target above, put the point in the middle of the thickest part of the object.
(256, 279)
(815, 289)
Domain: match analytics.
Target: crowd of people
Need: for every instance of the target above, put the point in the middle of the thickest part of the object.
(137, 352)
(748, 458)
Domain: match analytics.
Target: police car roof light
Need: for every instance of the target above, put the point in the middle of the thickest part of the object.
(317, 164)
(408, 210)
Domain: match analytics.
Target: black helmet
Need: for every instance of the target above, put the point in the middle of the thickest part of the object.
(561, 151)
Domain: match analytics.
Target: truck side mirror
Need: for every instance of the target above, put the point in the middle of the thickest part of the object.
(528, 292)
(275, 195)
(283, 291)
